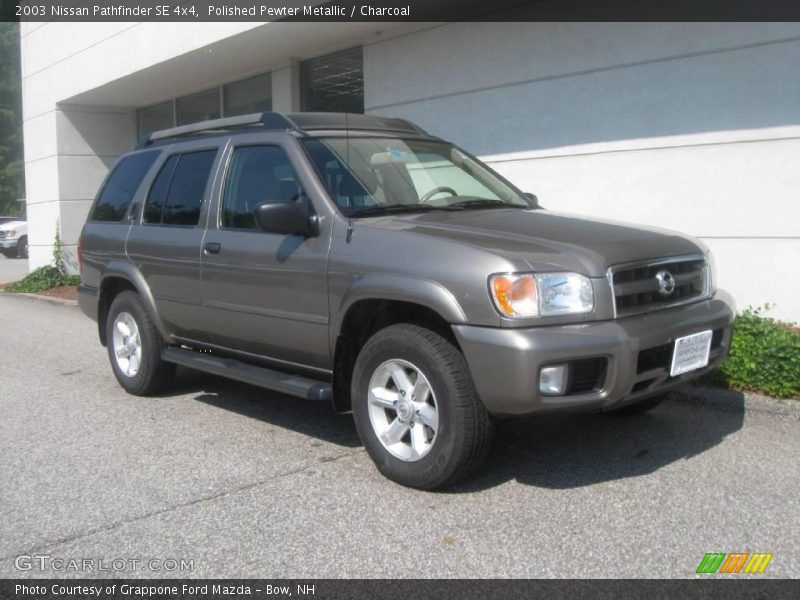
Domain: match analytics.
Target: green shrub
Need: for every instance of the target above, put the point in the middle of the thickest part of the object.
(45, 278)
(765, 355)
(42, 279)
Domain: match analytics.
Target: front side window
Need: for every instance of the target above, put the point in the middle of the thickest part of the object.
(258, 174)
(176, 195)
(115, 198)
(370, 175)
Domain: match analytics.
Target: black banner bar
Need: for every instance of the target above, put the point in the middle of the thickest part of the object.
(713, 588)
(399, 10)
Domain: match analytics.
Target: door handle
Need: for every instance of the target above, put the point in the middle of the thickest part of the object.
(212, 248)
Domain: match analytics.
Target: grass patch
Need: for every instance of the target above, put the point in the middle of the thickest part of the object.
(764, 357)
(43, 278)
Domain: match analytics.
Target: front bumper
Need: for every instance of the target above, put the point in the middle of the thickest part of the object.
(9, 243)
(505, 363)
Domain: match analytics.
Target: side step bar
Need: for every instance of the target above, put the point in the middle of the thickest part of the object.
(294, 385)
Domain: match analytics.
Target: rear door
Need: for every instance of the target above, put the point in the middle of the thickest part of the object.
(165, 241)
(264, 293)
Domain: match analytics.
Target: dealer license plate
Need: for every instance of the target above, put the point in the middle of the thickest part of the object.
(690, 353)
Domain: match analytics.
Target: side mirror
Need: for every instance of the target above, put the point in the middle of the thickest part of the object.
(285, 218)
(533, 198)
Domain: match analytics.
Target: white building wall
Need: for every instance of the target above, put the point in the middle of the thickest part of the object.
(694, 127)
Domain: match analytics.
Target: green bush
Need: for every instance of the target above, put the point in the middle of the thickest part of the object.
(45, 278)
(42, 279)
(765, 355)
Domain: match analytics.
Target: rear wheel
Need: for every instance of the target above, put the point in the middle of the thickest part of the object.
(134, 347)
(638, 408)
(416, 409)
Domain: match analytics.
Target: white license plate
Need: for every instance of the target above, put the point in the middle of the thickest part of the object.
(690, 353)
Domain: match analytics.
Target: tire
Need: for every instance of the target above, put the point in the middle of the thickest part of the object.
(22, 247)
(446, 435)
(144, 373)
(638, 408)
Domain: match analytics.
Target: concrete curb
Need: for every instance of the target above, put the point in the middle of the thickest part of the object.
(50, 299)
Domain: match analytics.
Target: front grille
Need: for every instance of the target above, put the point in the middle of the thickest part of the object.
(3, 235)
(637, 288)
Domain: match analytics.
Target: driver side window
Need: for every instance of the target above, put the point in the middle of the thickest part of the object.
(258, 174)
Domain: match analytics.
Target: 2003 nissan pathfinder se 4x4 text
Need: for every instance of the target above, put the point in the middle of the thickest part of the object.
(361, 260)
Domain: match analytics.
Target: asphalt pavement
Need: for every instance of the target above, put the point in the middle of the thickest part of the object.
(239, 482)
(12, 269)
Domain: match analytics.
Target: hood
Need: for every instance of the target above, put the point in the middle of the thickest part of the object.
(545, 240)
(12, 225)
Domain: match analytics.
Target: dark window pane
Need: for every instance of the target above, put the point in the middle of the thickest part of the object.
(198, 107)
(158, 192)
(334, 82)
(155, 117)
(258, 174)
(113, 201)
(188, 187)
(248, 96)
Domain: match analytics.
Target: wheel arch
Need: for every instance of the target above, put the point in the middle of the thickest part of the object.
(375, 302)
(118, 277)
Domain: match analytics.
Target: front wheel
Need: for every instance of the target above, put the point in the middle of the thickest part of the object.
(416, 409)
(22, 247)
(134, 347)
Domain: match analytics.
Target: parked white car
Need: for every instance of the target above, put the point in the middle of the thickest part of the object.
(13, 238)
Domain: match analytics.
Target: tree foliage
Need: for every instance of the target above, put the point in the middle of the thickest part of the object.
(11, 160)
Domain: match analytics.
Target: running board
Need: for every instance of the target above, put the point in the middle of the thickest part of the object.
(294, 385)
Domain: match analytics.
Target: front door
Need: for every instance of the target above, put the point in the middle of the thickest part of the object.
(264, 293)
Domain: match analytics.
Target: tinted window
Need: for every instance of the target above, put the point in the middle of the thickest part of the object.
(258, 174)
(334, 82)
(116, 195)
(248, 96)
(198, 107)
(153, 118)
(158, 192)
(177, 193)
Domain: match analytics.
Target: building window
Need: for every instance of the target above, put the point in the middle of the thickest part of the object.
(155, 117)
(198, 107)
(334, 82)
(248, 96)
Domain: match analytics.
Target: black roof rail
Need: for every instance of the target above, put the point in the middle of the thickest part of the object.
(268, 120)
(274, 121)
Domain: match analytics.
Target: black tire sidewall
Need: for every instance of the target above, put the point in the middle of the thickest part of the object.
(437, 465)
(129, 302)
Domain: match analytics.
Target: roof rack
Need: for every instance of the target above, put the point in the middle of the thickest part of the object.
(268, 120)
(275, 121)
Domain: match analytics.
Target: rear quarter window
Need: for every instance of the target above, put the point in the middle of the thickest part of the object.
(114, 199)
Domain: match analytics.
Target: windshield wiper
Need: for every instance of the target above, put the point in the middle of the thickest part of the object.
(389, 209)
(482, 203)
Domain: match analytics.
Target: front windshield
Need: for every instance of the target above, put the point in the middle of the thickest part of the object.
(370, 176)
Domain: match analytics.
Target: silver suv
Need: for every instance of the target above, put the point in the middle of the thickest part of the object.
(363, 261)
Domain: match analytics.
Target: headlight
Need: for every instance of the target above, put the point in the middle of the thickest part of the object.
(521, 295)
(11, 233)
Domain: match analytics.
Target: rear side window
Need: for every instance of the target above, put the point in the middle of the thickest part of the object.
(115, 197)
(258, 174)
(176, 195)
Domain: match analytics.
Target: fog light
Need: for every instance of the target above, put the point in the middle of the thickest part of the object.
(553, 380)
